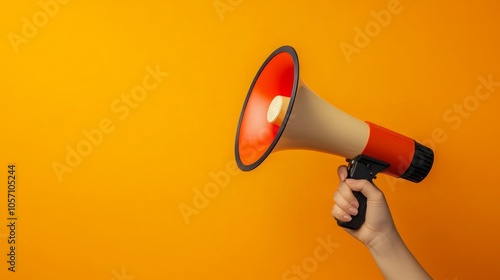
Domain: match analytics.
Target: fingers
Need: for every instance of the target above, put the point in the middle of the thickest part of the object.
(366, 188)
(363, 186)
(342, 172)
(340, 215)
(346, 203)
(348, 206)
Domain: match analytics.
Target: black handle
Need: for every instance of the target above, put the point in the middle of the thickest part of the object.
(362, 167)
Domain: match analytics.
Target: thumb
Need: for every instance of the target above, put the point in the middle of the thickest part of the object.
(366, 188)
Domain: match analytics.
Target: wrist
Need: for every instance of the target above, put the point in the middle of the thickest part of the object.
(385, 242)
(394, 259)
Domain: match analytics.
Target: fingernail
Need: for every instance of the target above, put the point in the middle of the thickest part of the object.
(355, 204)
(342, 176)
(353, 211)
(347, 218)
(350, 181)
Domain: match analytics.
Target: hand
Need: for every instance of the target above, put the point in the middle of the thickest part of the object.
(378, 232)
(378, 225)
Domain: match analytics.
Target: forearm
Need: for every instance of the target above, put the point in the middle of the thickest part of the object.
(394, 259)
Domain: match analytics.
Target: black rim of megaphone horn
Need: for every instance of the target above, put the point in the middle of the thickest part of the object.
(284, 49)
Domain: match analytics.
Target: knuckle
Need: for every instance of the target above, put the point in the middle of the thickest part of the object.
(336, 196)
(379, 195)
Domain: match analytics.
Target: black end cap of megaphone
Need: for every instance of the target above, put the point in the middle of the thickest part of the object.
(421, 164)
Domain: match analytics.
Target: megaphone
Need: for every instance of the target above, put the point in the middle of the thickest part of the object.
(281, 113)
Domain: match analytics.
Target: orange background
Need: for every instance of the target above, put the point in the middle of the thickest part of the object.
(117, 215)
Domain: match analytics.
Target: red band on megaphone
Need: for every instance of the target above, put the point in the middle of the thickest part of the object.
(391, 147)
